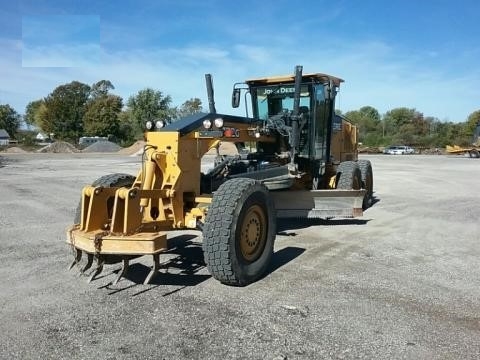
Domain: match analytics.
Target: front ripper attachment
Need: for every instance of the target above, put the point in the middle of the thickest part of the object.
(97, 247)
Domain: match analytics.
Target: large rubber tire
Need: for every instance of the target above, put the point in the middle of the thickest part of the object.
(349, 176)
(239, 232)
(112, 180)
(367, 182)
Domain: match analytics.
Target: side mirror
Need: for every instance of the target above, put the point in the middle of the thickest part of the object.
(236, 98)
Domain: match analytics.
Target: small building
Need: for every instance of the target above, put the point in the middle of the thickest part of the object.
(4, 137)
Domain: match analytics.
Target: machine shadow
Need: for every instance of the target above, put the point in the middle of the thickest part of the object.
(283, 257)
(295, 224)
(184, 261)
(375, 200)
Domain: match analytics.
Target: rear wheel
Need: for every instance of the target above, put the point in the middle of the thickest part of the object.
(367, 182)
(239, 232)
(349, 176)
(474, 153)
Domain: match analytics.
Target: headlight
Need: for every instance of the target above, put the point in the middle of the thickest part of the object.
(149, 125)
(159, 124)
(207, 124)
(218, 122)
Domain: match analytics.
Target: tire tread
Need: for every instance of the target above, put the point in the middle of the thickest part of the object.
(218, 230)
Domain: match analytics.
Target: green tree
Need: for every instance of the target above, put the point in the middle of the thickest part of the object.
(101, 116)
(457, 133)
(189, 107)
(64, 111)
(9, 119)
(126, 131)
(101, 88)
(400, 116)
(102, 110)
(403, 120)
(31, 112)
(367, 119)
(412, 131)
(471, 127)
(440, 134)
(148, 104)
(371, 114)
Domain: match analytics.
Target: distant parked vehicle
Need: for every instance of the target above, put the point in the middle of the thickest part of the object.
(89, 140)
(399, 150)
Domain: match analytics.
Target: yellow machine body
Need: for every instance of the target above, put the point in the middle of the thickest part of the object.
(167, 193)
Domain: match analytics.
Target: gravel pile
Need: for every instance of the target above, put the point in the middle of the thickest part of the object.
(133, 149)
(58, 147)
(102, 146)
(15, 150)
(369, 150)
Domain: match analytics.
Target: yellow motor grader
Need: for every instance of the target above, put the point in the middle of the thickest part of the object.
(296, 159)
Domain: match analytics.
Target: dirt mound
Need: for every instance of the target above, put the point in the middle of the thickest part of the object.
(133, 149)
(102, 146)
(15, 150)
(58, 147)
(369, 150)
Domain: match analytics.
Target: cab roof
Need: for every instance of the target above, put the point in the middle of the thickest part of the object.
(287, 79)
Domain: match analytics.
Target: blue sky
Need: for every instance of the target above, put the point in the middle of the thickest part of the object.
(417, 54)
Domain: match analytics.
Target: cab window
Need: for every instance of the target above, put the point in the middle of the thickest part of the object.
(272, 100)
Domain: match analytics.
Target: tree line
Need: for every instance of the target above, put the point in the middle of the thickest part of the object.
(410, 127)
(76, 109)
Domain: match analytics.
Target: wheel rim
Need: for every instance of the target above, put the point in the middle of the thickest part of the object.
(253, 235)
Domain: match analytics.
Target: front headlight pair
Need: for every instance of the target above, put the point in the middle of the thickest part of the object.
(158, 124)
(218, 122)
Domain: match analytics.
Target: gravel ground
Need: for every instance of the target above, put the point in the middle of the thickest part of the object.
(402, 282)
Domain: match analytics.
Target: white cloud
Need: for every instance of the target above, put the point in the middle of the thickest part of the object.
(81, 55)
(375, 74)
(256, 54)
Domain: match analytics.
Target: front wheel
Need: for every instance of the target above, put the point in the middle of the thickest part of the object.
(239, 232)
(349, 176)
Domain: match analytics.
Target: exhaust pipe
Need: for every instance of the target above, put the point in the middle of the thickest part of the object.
(211, 101)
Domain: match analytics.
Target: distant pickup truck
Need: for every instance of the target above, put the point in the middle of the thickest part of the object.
(399, 150)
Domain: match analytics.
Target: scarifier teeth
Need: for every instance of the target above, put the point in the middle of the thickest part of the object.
(88, 265)
(154, 270)
(77, 258)
(98, 269)
(123, 270)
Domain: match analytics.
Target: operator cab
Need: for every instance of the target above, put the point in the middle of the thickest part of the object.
(273, 96)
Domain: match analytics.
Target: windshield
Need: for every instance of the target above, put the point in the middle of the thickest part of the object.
(272, 100)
